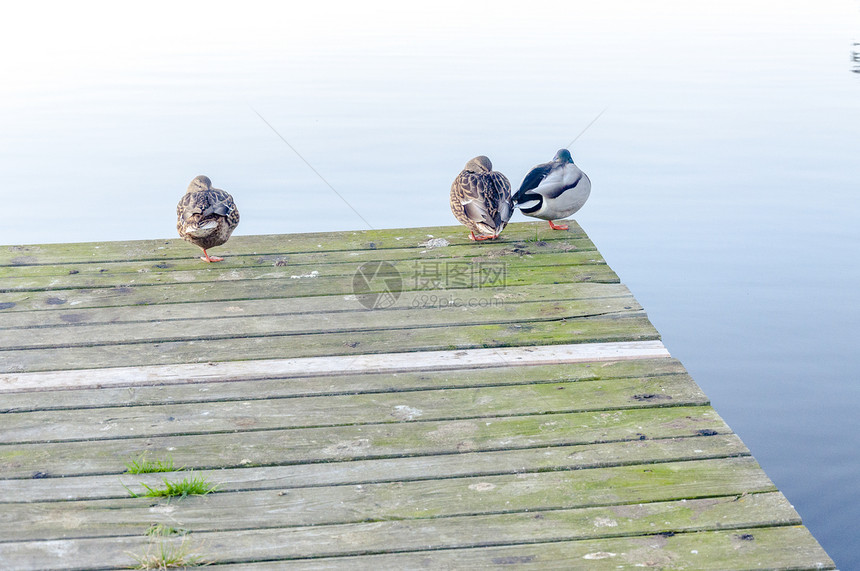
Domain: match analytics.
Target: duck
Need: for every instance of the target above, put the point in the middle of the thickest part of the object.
(553, 190)
(481, 199)
(206, 216)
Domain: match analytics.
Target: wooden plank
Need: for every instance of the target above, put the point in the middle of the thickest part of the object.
(583, 525)
(227, 327)
(412, 261)
(333, 364)
(339, 410)
(156, 250)
(422, 499)
(68, 316)
(778, 548)
(367, 441)
(357, 472)
(410, 268)
(204, 388)
(265, 288)
(580, 248)
(585, 330)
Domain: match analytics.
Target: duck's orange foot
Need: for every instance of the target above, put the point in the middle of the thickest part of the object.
(207, 258)
(558, 226)
(481, 237)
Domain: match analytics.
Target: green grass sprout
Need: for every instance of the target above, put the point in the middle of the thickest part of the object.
(161, 530)
(163, 554)
(189, 486)
(143, 465)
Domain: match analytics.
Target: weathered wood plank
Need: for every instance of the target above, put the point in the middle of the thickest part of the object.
(340, 383)
(408, 269)
(423, 536)
(778, 548)
(91, 252)
(390, 501)
(227, 327)
(629, 327)
(594, 353)
(338, 410)
(368, 441)
(576, 457)
(581, 248)
(268, 288)
(441, 298)
(98, 276)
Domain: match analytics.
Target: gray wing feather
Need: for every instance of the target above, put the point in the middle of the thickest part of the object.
(561, 188)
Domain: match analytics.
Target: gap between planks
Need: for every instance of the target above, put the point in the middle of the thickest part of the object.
(331, 365)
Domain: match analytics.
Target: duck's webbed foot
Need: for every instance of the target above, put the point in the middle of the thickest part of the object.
(482, 237)
(207, 258)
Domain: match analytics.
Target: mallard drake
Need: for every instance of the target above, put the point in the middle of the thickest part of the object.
(553, 190)
(206, 216)
(481, 199)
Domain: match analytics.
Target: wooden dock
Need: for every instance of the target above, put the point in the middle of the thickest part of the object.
(390, 399)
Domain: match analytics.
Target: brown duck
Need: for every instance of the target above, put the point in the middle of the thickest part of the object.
(206, 216)
(481, 199)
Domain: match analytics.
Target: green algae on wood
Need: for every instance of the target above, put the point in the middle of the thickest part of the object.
(603, 464)
(419, 499)
(365, 441)
(398, 469)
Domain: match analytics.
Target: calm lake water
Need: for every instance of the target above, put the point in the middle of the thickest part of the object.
(725, 168)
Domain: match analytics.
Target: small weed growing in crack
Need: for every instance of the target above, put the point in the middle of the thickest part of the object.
(161, 554)
(143, 465)
(189, 486)
(161, 530)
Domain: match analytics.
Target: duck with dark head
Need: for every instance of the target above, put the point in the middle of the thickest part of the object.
(553, 190)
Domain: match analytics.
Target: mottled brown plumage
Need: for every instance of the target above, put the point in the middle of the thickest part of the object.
(206, 216)
(481, 199)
